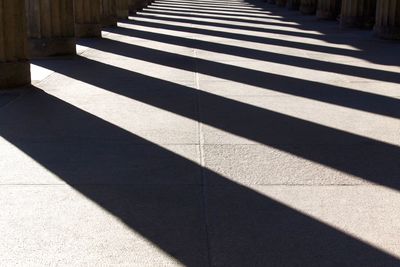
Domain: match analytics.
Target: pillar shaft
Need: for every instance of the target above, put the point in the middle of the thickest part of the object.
(108, 13)
(87, 18)
(388, 19)
(122, 9)
(358, 13)
(293, 4)
(14, 64)
(328, 9)
(51, 27)
(308, 7)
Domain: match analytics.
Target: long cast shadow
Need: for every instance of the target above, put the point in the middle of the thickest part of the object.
(311, 23)
(233, 10)
(121, 172)
(306, 63)
(368, 159)
(362, 54)
(149, 14)
(367, 51)
(221, 17)
(313, 90)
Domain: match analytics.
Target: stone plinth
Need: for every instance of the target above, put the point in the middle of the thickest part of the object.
(87, 18)
(328, 9)
(14, 64)
(308, 7)
(108, 13)
(388, 19)
(358, 13)
(51, 28)
(293, 4)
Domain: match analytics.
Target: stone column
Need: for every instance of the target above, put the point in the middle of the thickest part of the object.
(87, 18)
(328, 9)
(281, 2)
(388, 19)
(358, 13)
(14, 64)
(308, 7)
(122, 9)
(51, 27)
(108, 13)
(293, 4)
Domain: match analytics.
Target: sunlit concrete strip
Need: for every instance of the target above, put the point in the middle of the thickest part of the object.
(160, 126)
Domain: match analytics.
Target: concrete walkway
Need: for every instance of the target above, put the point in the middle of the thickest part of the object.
(206, 133)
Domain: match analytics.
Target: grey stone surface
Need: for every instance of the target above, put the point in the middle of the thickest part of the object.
(206, 133)
(72, 226)
(296, 226)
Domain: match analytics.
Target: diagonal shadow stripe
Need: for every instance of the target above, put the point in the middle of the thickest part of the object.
(105, 164)
(368, 159)
(313, 90)
(264, 40)
(306, 63)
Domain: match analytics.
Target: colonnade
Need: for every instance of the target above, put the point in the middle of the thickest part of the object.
(41, 28)
(381, 15)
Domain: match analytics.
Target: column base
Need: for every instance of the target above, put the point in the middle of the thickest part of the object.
(88, 30)
(391, 33)
(109, 21)
(14, 74)
(51, 47)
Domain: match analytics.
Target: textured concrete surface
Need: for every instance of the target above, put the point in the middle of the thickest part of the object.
(206, 133)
